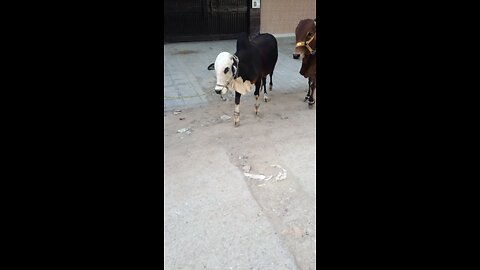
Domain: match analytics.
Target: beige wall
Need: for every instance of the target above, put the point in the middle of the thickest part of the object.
(282, 16)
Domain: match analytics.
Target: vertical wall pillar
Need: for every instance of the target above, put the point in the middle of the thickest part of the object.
(254, 20)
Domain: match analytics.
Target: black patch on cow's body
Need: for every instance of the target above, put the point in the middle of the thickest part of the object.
(257, 58)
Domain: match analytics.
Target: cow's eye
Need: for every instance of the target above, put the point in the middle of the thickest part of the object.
(226, 70)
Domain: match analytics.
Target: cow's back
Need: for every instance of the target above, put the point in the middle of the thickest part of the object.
(267, 48)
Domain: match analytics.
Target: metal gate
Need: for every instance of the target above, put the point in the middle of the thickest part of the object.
(196, 20)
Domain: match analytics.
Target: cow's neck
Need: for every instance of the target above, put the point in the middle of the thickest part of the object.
(307, 63)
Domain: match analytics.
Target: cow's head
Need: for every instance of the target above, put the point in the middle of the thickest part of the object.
(226, 69)
(305, 35)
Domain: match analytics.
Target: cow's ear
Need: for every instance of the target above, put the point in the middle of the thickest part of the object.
(235, 59)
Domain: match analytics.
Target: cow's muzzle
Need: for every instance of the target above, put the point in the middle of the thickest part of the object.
(296, 55)
(219, 88)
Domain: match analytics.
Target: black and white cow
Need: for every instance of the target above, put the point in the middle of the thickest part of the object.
(249, 66)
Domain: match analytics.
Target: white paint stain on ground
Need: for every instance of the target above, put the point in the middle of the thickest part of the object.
(282, 175)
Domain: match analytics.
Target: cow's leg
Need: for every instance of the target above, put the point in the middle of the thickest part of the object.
(236, 112)
(271, 84)
(313, 86)
(308, 91)
(264, 83)
(258, 85)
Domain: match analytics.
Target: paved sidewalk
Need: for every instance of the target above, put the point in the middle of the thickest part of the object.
(189, 84)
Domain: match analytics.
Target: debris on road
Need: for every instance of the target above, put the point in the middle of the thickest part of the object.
(177, 112)
(182, 118)
(266, 180)
(258, 177)
(225, 117)
(255, 176)
(185, 130)
(281, 175)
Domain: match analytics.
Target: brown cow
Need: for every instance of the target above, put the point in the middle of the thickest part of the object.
(306, 48)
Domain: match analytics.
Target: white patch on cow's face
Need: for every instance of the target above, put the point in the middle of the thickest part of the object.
(223, 70)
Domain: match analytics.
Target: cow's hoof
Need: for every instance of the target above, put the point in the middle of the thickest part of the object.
(236, 124)
(270, 88)
(306, 98)
(265, 99)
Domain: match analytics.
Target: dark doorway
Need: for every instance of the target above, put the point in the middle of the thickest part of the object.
(198, 20)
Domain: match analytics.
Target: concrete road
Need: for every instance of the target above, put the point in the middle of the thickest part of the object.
(237, 198)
